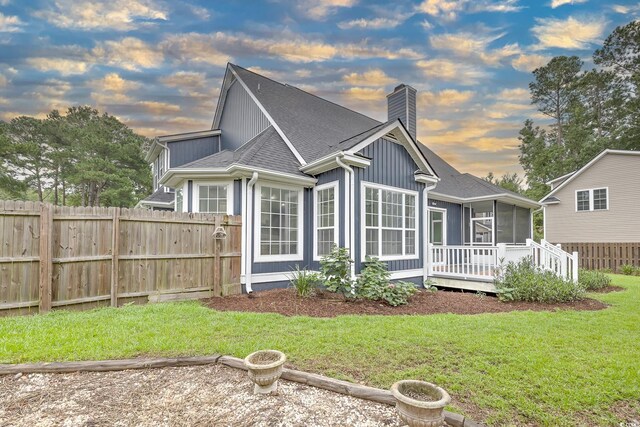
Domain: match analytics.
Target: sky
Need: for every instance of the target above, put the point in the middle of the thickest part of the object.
(158, 65)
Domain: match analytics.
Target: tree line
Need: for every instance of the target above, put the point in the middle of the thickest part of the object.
(81, 158)
(591, 110)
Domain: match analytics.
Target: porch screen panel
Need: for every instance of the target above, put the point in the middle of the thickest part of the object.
(523, 225)
(505, 221)
(278, 221)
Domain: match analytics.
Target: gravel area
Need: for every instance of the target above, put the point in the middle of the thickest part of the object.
(327, 304)
(193, 396)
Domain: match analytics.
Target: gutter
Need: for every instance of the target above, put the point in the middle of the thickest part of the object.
(349, 226)
(425, 228)
(249, 225)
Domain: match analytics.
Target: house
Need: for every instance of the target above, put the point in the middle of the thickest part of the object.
(595, 210)
(306, 174)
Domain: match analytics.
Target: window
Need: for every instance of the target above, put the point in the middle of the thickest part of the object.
(592, 200)
(179, 200)
(478, 219)
(390, 223)
(213, 197)
(280, 212)
(437, 226)
(326, 218)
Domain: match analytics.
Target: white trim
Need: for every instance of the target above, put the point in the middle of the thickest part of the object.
(560, 178)
(189, 135)
(329, 162)
(243, 230)
(233, 171)
(196, 194)
(502, 197)
(591, 201)
(405, 274)
(299, 255)
(588, 165)
(363, 225)
(410, 145)
(336, 215)
(273, 122)
(185, 196)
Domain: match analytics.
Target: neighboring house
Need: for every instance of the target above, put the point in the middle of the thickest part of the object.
(306, 174)
(597, 204)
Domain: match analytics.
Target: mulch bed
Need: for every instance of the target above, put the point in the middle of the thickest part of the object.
(327, 304)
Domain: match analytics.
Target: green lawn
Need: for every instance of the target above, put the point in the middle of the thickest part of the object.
(562, 368)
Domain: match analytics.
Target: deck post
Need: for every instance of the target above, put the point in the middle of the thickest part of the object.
(575, 266)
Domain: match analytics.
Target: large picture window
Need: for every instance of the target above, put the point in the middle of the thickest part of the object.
(280, 213)
(390, 222)
(326, 218)
(592, 200)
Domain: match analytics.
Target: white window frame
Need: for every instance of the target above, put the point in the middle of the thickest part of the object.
(444, 224)
(195, 199)
(591, 201)
(257, 241)
(336, 221)
(363, 225)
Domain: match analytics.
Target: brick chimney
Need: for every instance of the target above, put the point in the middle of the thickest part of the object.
(401, 104)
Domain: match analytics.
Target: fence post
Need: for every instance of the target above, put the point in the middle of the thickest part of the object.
(46, 254)
(574, 266)
(115, 254)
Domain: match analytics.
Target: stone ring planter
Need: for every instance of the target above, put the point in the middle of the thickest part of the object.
(264, 368)
(419, 403)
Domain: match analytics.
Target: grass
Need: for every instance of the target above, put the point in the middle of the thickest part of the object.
(538, 368)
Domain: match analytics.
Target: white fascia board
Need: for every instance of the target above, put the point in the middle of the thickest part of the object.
(273, 122)
(560, 178)
(189, 135)
(427, 179)
(504, 197)
(587, 166)
(410, 144)
(329, 162)
(176, 175)
(154, 149)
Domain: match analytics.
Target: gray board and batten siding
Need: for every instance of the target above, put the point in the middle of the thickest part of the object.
(189, 150)
(241, 118)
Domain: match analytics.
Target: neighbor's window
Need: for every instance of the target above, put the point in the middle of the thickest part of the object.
(179, 200)
(326, 221)
(280, 211)
(592, 200)
(390, 222)
(212, 198)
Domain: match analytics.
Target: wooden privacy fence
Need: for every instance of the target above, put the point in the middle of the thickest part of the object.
(53, 256)
(598, 256)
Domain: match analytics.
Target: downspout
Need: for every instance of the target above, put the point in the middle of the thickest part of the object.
(349, 226)
(249, 224)
(426, 231)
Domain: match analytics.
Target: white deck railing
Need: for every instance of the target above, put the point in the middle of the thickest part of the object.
(482, 262)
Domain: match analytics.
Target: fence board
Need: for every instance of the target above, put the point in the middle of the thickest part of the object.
(610, 255)
(89, 255)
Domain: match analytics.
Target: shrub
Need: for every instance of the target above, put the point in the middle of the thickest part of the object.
(336, 270)
(373, 284)
(430, 285)
(628, 270)
(523, 282)
(593, 280)
(305, 281)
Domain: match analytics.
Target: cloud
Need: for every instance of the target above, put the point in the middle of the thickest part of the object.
(365, 93)
(65, 67)
(10, 24)
(444, 98)
(449, 10)
(291, 47)
(558, 3)
(570, 33)
(112, 82)
(468, 45)
(433, 125)
(184, 79)
(375, 77)
(3, 80)
(128, 53)
(320, 9)
(449, 70)
(158, 108)
(515, 94)
(372, 24)
(529, 62)
(113, 15)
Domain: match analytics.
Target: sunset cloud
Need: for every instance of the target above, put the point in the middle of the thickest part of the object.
(129, 53)
(114, 83)
(529, 62)
(570, 33)
(65, 67)
(558, 3)
(10, 24)
(375, 77)
(450, 70)
(468, 45)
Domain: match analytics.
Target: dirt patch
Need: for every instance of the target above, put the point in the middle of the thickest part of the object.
(193, 396)
(327, 304)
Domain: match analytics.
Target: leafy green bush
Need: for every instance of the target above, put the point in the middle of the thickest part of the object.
(523, 282)
(629, 270)
(336, 270)
(593, 280)
(430, 285)
(373, 284)
(305, 281)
